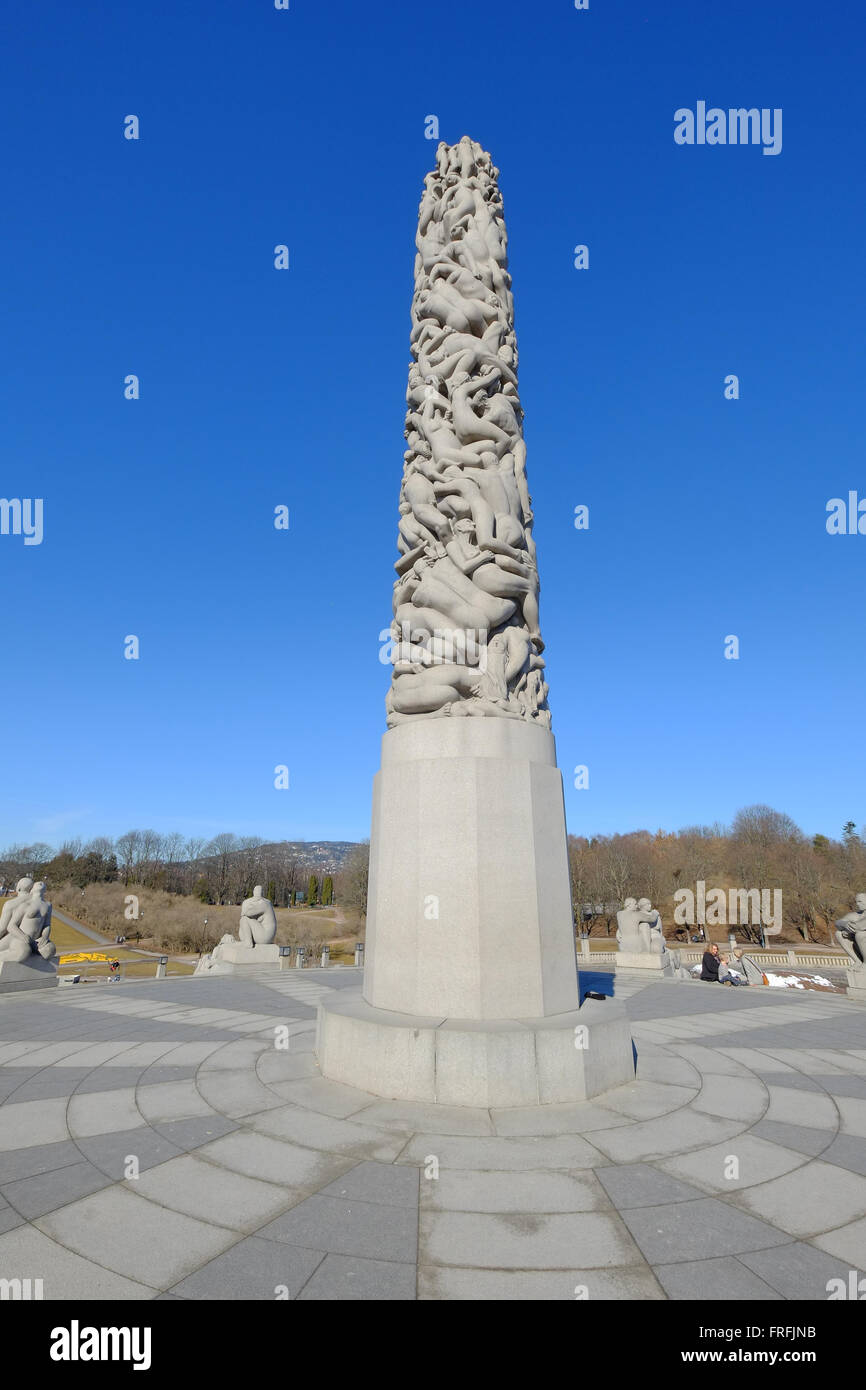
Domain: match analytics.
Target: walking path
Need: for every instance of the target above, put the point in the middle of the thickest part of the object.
(157, 1140)
(89, 932)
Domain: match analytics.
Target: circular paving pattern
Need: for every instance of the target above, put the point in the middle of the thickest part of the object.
(174, 1139)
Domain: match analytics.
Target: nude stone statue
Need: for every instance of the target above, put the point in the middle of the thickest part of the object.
(650, 927)
(628, 926)
(22, 893)
(639, 928)
(851, 933)
(28, 928)
(257, 927)
(467, 573)
(258, 924)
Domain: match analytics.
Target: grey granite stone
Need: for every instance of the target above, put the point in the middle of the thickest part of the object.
(697, 1230)
(800, 1137)
(809, 1201)
(199, 1130)
(344, 1278)
(848, 1151)
(388, 1183)
(853, 1086)
(564, 1240)
(720, 1280)
(135, 1238)
(109, 1152)
(640, 1185)
(340, 1227)
(40, 1158)
(535, 1285)
(50, 1082)
(514, 1192)
(252, 1269)
(797, 1270)
(45, 1192)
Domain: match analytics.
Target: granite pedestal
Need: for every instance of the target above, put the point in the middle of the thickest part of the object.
(857, 985)
(35, 974)
(646, 963)
(234, 959)
(470, 992)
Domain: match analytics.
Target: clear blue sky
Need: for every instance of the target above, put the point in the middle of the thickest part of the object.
(261, 387)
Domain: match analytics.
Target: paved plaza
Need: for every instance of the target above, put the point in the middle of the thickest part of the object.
(732, 1168)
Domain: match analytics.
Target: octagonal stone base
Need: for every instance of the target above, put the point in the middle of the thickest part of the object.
(469, 900)
(502, 1062)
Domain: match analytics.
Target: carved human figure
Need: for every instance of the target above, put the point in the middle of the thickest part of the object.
(442, 590)
(628, 926)
(639, 928)
(650, 926)
(491, 495)
(28, 928)
(851, 933)
(258, 924)
(12, 905)
(209, 961)
(466, 556)
(531, 690)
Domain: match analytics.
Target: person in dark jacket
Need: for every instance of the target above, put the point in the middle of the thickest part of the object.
(710, 964)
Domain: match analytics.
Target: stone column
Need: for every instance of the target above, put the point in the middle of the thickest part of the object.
(470, 991)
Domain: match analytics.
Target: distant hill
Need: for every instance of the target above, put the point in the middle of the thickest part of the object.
(327, 855)
(324, 854)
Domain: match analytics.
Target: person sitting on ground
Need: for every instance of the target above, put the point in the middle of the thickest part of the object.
(727, 976)
(750, 968)
(710, 964)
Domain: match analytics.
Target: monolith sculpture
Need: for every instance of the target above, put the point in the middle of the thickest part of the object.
(470, 991)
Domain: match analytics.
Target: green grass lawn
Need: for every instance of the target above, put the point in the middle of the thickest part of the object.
(68, 939)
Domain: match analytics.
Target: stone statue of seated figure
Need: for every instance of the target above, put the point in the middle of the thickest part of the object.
(27, 926)
(258, 924)
(258, 927)
(851, 933)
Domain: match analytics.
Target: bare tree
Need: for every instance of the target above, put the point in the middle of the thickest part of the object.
(128, 851)
(221, 849)
(353, 880)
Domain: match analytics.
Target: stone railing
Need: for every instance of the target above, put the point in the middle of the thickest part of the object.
(790, 956)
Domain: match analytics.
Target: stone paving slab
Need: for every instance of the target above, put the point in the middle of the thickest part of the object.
(796, 1271)
(809, 1200)
(526, 1240)
(349, 1227)
(756, 1162)
(442, 1283)
(65, 1274)
(340, 1278)
(697, 1229)
(723, 1279)
(254, 1269)
(514, 1193)
(732, 1169)
(134, 1237)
